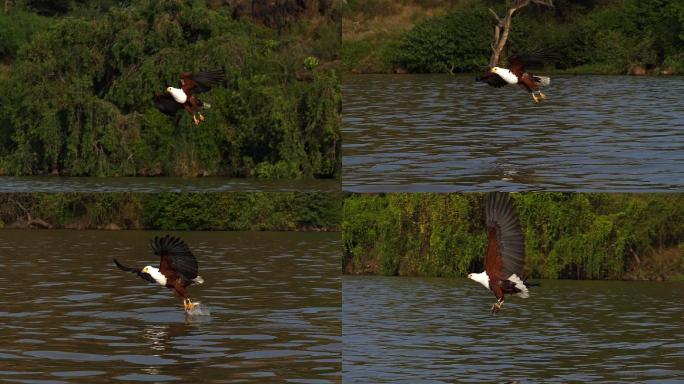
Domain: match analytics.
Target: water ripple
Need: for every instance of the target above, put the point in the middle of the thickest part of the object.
(413, 330)
(447, 133)
(274, 298)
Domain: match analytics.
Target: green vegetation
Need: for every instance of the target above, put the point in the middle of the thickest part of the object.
(235, 211)
(577, 236)
(589, 36)
(77, 77)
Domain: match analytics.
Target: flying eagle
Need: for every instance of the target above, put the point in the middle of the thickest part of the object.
(517, 74)
(505, 259)
(184, 97)
(177, 267)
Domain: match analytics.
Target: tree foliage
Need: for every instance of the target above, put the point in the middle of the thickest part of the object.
(235, 211)
(567, 235)
(78, 98)
(594, 36)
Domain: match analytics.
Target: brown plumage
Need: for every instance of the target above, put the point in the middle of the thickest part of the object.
(191, 85)
(505, 258)
(517, 74)
(177, 267)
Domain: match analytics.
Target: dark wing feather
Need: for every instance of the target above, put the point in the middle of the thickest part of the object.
(492, 79)
(501, 216)
(194, 83)
(138, 272)
(175, 257)
(516, 65)
(166, 104)
(521, 62)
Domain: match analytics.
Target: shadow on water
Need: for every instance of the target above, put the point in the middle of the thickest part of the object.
(66, 311)
(441, 331)
(448, 133)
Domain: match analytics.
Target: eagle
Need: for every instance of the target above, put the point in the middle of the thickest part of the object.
(184, 97)
(177, 267)
(517, 74)
(505, 259)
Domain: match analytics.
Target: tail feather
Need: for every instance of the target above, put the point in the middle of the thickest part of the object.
(524, 293)
(542, 80)
(198, 280)
(206, 105)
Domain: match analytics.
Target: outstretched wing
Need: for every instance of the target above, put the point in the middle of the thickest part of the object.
(492, 79)
(166, 104)
(521, 62)
(506, 251)
(193, 83)
(138, 272)
(175, 257)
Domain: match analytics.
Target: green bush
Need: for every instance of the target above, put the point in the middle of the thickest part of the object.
(78, 98)
(585, 236)
(457, 42)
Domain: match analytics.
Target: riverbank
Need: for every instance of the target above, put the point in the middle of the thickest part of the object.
(234, 211)
(567, 235)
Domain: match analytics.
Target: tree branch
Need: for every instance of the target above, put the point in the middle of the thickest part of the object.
(501, 31)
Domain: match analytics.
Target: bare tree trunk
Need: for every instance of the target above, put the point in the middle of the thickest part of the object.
(503, 26)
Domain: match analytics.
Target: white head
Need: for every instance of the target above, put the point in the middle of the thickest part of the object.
(154, 272)
(481, 278)
(177, 94)
(505, 74)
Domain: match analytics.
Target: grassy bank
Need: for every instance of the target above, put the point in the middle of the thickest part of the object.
(235, 211)
(587, 37)
(573, 236)
(76, 84)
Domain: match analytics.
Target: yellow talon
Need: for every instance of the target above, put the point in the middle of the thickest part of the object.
(201, 117)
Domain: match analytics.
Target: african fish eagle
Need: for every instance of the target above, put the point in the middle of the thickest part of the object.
(177, 267)
(184, 97)
(517, 74)
(505, 258)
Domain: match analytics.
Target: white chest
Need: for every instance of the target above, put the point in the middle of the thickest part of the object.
(178, 95)
(158, 276)
(507, 75)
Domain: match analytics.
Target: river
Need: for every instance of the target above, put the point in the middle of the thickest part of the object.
(439, 133)
(420, 330)
(52, 184)
(67, 313)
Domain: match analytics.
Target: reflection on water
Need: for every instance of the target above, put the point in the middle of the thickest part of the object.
(440, 331)
(66, 312)
(161, 184)
(448, 133)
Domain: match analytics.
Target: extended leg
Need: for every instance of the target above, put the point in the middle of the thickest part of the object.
(188, 305)
(496, 307)
(535, 97)
(201, 117)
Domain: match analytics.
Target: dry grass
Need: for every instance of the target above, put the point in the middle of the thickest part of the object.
(659, 265)
(404, 16)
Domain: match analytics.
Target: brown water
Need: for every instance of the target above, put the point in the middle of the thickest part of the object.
(161, 184)
(66, 312)
(449, 133)
(413, 330)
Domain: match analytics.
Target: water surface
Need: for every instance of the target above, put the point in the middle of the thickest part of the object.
(413, 330)
(54, 184)
(67, 313)
(449, 133)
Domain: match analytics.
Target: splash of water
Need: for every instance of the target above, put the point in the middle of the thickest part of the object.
(198, 310)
